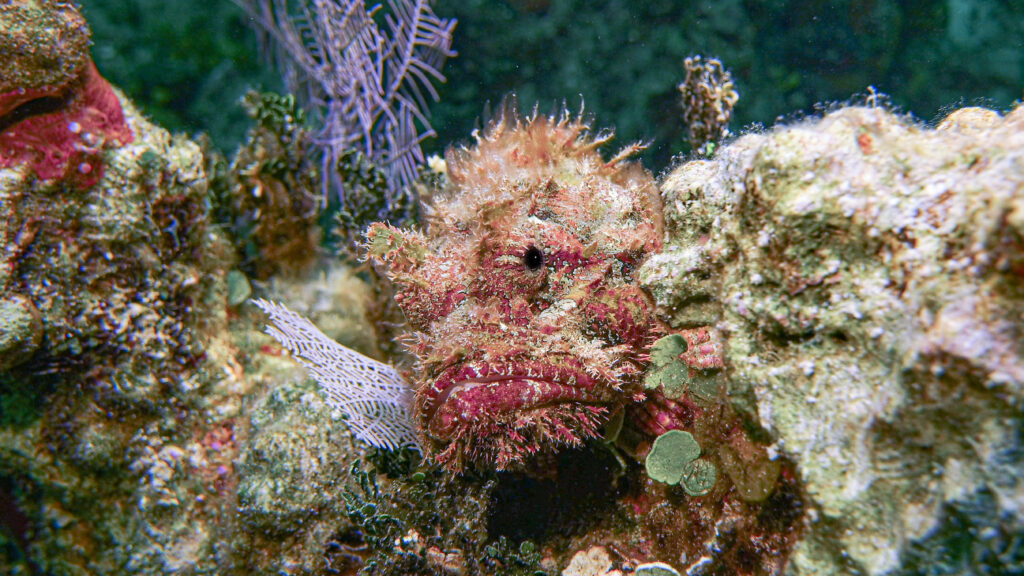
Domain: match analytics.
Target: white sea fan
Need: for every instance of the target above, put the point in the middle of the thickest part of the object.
(372, 395)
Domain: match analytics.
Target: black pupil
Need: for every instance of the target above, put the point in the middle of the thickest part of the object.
(533, 258)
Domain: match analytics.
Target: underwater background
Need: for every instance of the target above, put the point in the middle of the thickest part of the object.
(795, 347)
(188, 62)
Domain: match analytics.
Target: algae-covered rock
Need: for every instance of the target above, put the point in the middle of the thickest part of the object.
(43, 44)
(22, 330)
(141, 407)
(867, 275)
(145, 423)
(111, 297)
(291, 472)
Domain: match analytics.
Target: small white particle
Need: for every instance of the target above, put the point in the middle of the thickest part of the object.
(807, 367)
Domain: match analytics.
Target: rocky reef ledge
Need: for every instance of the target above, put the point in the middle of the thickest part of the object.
(867, 275)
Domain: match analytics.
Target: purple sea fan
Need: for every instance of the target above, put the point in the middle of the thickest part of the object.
(369, 86)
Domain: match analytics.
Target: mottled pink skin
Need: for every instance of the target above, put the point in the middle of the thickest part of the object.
(703, 350)
(470, 391)
(65, 136)
(528, 327)
(659, 414)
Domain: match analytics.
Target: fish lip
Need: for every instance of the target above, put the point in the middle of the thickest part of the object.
(569, 384)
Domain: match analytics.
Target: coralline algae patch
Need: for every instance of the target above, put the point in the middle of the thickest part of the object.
(867, 277)
(63, 134)
(57, 114)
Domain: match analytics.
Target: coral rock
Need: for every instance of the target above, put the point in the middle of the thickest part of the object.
(22, 330)
(867, 276)
(56, 112)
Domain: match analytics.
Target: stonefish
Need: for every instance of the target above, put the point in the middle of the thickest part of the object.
(528, 327)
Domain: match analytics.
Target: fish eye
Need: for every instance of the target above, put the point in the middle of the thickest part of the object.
(533, 258)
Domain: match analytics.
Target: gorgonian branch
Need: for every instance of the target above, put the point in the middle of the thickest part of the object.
(369, 87)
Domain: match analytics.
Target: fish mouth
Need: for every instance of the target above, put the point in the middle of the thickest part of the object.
(473, 393)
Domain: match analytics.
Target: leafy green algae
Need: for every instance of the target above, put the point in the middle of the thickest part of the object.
(674, 459)
(666, 370)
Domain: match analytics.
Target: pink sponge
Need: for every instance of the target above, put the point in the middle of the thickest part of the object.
(62, 131)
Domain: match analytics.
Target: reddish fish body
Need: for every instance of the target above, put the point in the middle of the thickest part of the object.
(529, 329)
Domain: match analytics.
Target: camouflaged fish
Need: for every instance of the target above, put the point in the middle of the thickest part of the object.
(528, 326)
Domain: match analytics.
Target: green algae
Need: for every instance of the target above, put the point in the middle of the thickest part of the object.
(674, 459)
(670, 456)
